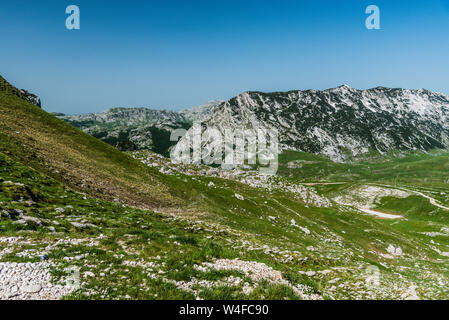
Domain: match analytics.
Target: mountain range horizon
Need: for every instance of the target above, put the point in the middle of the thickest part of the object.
(180, 109)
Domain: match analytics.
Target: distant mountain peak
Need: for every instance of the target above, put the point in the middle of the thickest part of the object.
(199, 113)
(345, 86)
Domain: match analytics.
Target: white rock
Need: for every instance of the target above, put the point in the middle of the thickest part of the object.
(239, 197)
(31, 288)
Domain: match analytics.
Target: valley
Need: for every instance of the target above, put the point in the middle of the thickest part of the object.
(134, 225)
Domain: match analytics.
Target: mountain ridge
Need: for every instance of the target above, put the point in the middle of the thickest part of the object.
(137, 128)
(341, 121)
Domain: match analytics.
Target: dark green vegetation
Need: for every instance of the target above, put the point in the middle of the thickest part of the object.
(160, 139)
(130, 129)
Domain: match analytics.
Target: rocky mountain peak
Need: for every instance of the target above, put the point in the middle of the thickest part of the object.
(342, 121)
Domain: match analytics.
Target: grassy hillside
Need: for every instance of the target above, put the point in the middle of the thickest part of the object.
(333, 243)
(7, 88)
(407, 168)
(32, 136)
(302, 234)
(121, 252)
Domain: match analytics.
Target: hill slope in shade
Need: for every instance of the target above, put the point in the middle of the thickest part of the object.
(130, 129)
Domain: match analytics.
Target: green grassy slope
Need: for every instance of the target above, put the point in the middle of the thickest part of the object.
(32, 136)
(328, 257)
(333, 238)
(401, 168)
(117, 243)
(9, 89)
(323, 249)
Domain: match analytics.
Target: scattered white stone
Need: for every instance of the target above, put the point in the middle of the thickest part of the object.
(29, 281)
(239, 197)
(166, 170)
(27, 219)
(31, 288)
(411, 294)
(394, 251)
(258, 271)
(304, 229)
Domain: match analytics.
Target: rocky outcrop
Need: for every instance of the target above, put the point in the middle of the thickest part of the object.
(343, 121)
(21, 93)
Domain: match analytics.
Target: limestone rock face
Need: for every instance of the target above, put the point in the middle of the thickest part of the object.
(341, 122)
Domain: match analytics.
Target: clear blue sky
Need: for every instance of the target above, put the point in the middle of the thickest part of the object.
(175, 54)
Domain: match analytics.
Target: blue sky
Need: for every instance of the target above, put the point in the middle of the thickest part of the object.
(176, 54)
